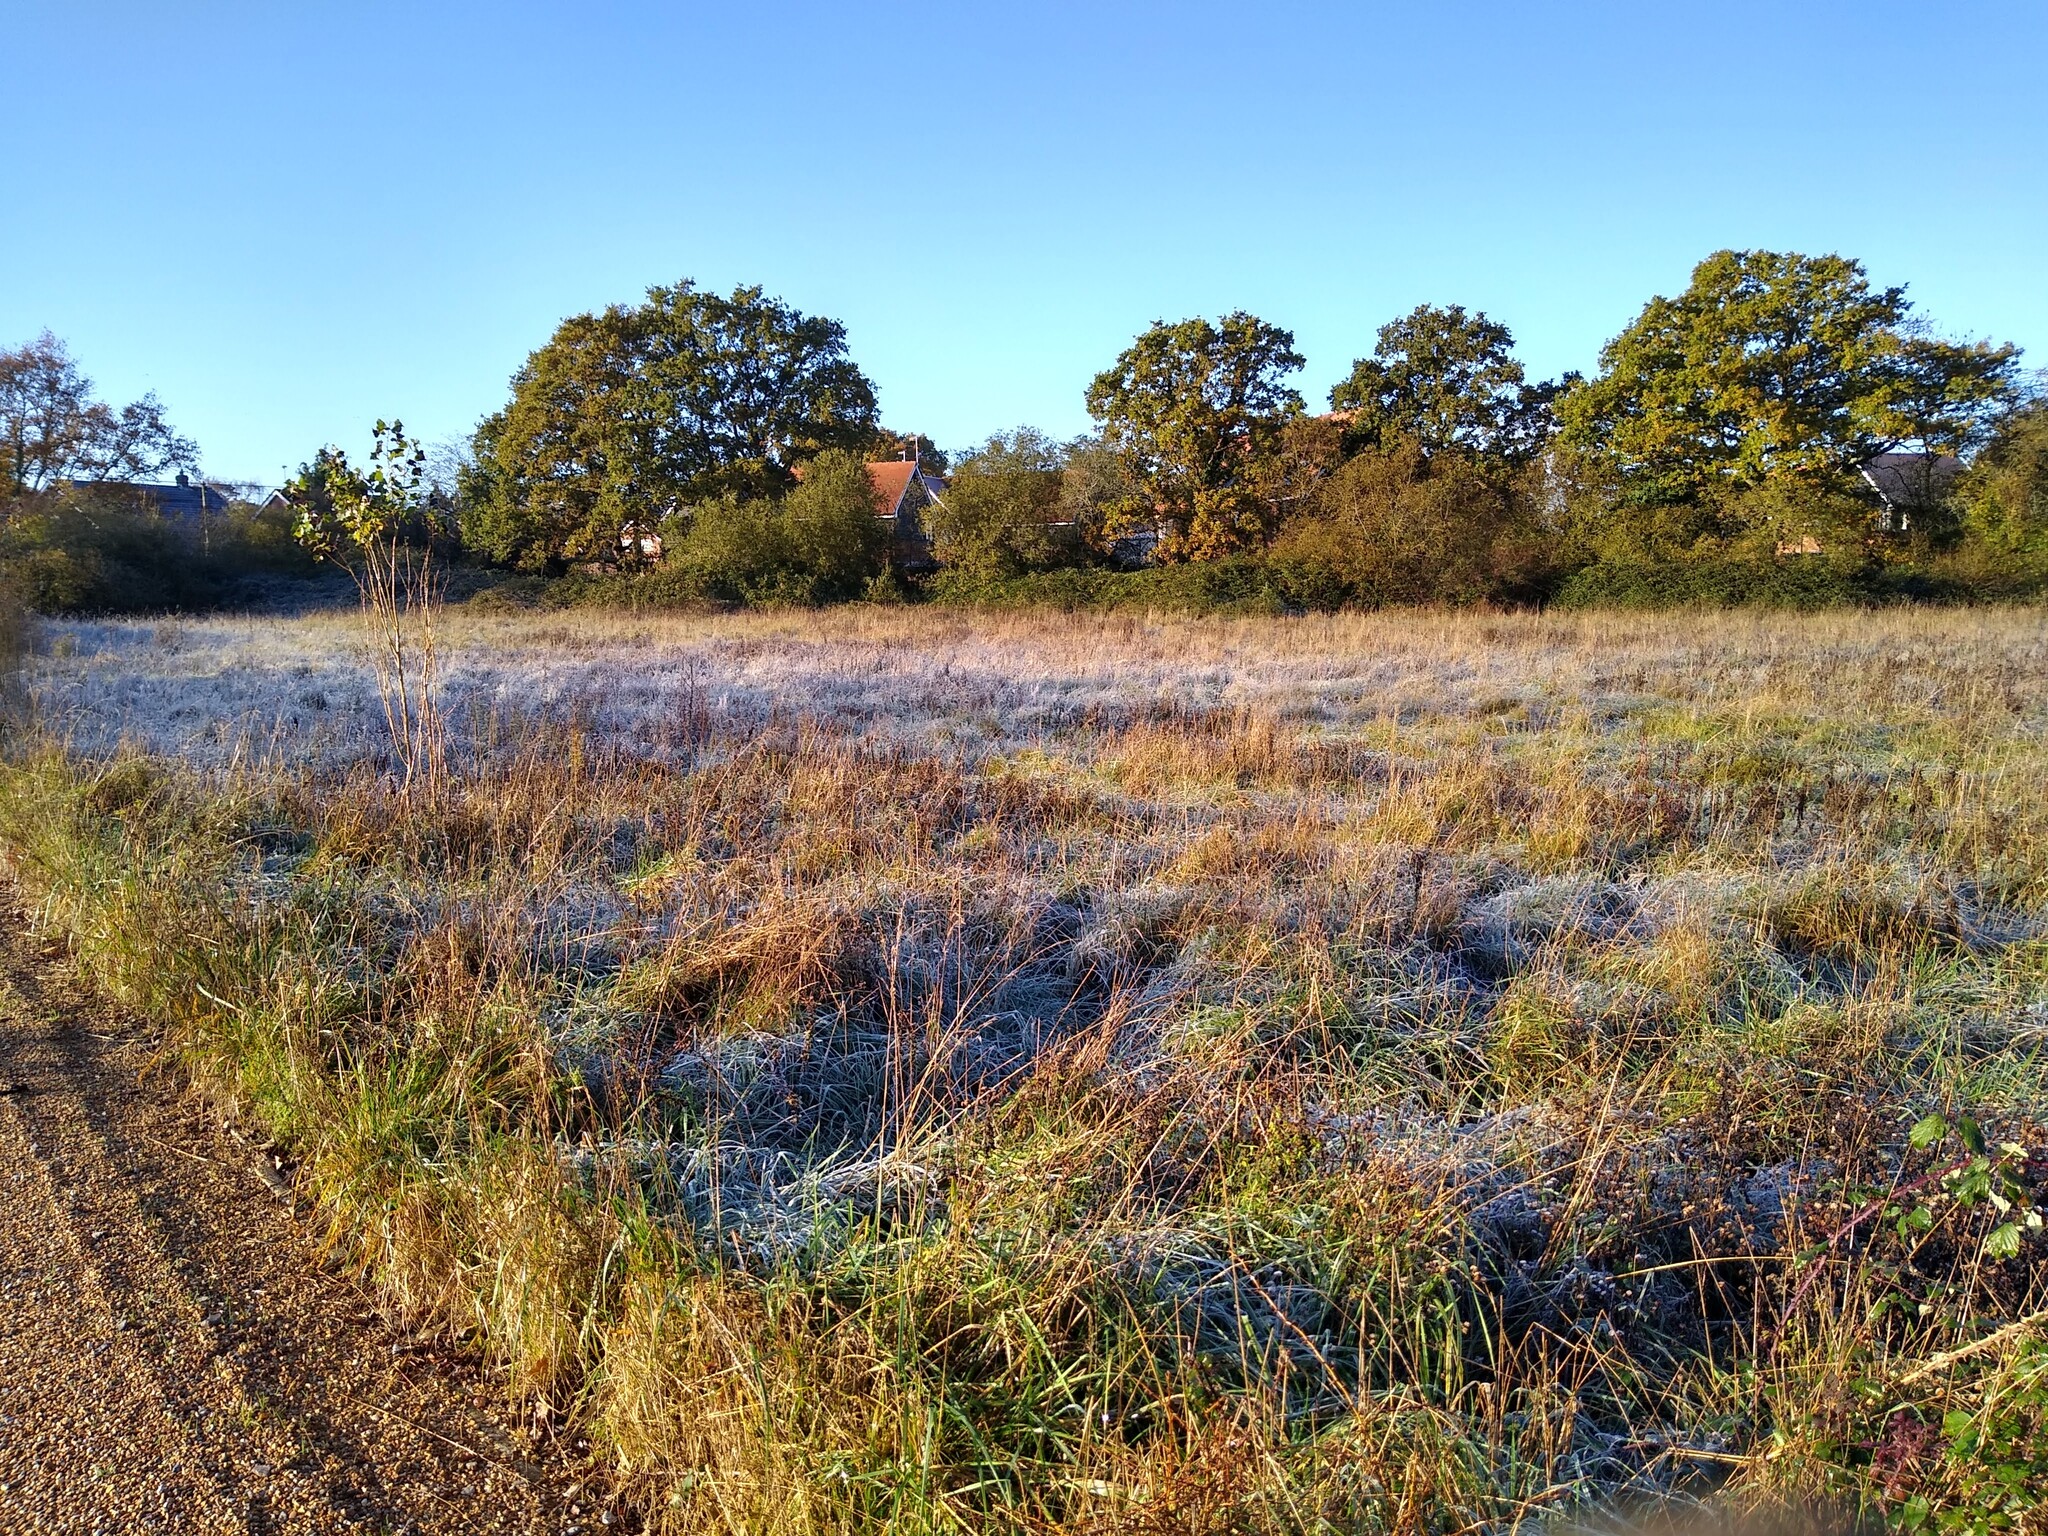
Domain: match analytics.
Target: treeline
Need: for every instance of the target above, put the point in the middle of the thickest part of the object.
(1732, 447)
(1779, 432)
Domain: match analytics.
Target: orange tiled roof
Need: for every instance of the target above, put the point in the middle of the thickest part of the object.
(890, 481)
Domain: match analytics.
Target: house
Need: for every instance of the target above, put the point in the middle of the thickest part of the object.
(180, 502)
(636, 542)
(1909, 482)
(903, 491)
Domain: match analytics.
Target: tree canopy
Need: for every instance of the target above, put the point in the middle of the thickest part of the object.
(997, 517)
(1196, 411)
(53, 429)
(823, 542)
(639, 411)
(1772, 363)
(2005, 494)
(1399, 527)
(1445, 379)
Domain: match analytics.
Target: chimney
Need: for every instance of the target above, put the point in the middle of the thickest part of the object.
(183, 478)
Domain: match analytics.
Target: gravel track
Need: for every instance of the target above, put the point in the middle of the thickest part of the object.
(174, 1354)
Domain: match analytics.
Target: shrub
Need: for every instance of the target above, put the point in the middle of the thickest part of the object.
(1233, 587)
(998, 515)
(1393, 528)
(833, 541)
(15, 632)
(261, 539)
(76, 551)
(87, 550)
(1798, 582)
(822, 544)
(732, 549)
(2004, 496)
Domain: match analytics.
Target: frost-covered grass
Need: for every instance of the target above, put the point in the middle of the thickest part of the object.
(891, 1069)
(215, 689)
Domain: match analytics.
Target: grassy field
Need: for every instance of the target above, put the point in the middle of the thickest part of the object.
(890, 1070)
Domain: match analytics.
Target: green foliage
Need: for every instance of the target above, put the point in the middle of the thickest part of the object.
(1445, 380)
(2004, 495)
(997, 518)
(1961, 1440)
(732, 550)
(16, 626)
(1771, 363)
(1196, 412)
(822, 543)
(1233, 586)
(1720, 582)
(263, 538)
(640, 412)
(1791, 511)
(836, 541)
(345, 512)
(1977, 1174)
(1789, 514)
(1395, 527)
(1095, 482)
(1992, 1473)
(97, 553)
(76, 551)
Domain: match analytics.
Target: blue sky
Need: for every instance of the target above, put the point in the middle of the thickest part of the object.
(289, 219)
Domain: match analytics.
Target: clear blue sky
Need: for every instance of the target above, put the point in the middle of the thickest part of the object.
(288, 219)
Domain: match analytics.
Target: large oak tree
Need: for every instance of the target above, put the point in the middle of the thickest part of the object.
(1445, 380)
(1774, 364)
(641, 411)
(1197, 413)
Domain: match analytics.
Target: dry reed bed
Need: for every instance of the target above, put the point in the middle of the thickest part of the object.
(890, 1070)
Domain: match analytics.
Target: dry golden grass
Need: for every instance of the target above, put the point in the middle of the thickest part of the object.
(887, 1070)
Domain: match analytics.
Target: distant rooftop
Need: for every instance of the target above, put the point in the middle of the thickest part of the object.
(181, 499)
(891, 479)
(1904, 480)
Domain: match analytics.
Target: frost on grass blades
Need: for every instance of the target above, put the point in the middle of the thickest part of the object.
(879, 1070)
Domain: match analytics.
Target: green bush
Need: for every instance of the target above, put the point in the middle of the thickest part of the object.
(820, 544)
(2004, 496)
(1975, 572)
(81, 551)
(1392, 527)
(14, 627)
(77, 553)
(1240, 585)
(1800, 582)
(1000, 516)
(260, 539)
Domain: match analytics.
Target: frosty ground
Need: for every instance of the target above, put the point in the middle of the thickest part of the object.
(895, 1068)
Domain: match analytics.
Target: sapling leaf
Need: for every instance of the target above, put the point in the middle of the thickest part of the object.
(1927, 1132)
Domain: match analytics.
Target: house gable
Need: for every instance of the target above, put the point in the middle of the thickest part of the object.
(1909, 482)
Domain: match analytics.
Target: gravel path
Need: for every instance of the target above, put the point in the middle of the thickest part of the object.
(174, 1356)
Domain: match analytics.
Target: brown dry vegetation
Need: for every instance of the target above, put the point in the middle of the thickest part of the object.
(1408, 1072)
